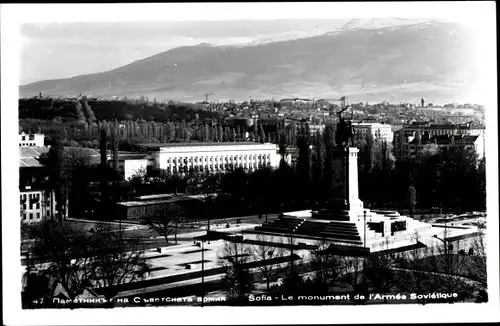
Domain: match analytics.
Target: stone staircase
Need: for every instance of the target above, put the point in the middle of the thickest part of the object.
(281, 225)
(324, 214)
(337, 231)
(346, 232)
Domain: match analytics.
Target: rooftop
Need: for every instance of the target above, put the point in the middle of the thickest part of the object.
(425, 125)
(446, 140)
(370, 124)
(196, 144)
(150, 202)
(28, 156)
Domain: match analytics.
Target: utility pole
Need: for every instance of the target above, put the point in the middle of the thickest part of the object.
(202, 272)
(364, 233)
(207, 95)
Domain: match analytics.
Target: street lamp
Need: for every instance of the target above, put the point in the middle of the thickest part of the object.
(364, 233)
(202, 272)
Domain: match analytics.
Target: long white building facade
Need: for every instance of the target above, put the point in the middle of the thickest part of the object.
(216, 157)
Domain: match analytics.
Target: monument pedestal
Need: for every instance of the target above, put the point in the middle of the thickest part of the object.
(346, 206)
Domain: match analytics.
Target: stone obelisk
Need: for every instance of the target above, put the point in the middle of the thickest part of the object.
(344, 204)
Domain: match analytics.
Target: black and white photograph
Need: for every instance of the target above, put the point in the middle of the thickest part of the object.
(249, 163)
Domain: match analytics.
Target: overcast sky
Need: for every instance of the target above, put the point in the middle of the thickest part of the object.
(52, 51)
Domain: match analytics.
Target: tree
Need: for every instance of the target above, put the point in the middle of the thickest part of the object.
(168, 223)
(283, 145)
(327, 266)
(221, 134)
(378, 270)
(366, 154)
(80, 163)
(206, 133)
(114, 262)
(318, 160)
(103, 148)
(449, 270)
(354, 272)
(329, 184)
(59, 176)
(262, 134)
(415, 264)
(418, 143)
(412, 199)
(238, 280)
(178, 223)
(64, 256)
(477, 255)
(304, 165)
(457, 173)
(266, 250)
(69, 252)
(238, 133)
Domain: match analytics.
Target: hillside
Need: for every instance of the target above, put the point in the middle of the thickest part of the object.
(402, 63)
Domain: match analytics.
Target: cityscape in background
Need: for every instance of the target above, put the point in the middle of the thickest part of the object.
(130, 201)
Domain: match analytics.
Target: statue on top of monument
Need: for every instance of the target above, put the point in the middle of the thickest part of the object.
(344, 132)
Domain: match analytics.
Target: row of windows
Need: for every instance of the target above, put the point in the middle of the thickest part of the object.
(32, 216)
(219, 167)
(218, 158)
(31, 137)
(37, 206)
(27, 144)
(31, 196)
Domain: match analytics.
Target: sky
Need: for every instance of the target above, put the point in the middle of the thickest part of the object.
(61, 41)
(60, 50)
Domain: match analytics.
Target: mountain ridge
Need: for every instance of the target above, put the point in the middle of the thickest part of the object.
(394, 61)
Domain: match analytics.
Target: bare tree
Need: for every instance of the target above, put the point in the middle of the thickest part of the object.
(415, 264)
(168, 223)
(378, 269)
(449, 269)
(353, 269)
(265, 251)
(63, 254)
(412, 198)
(113, 264)
(77, 261)
(327, 265)
(477, 258)
(178, 222)
(238, 280)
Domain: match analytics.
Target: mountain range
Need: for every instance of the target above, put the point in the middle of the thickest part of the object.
(434, 60)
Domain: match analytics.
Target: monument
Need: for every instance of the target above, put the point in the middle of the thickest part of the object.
(344, 202)
(343, 219)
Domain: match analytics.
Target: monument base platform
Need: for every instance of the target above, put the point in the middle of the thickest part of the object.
(354, 227)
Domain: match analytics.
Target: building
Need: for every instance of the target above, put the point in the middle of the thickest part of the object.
(31, 140)
(405, 139)
(468, 142)
(445, 129)
(295, 101)
(213, 157)
(153, 206)
(314, 128)
(36, 202)
(130, 164)
(377, 130)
